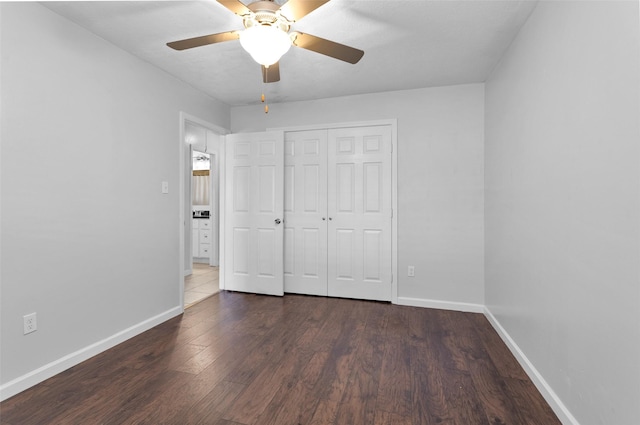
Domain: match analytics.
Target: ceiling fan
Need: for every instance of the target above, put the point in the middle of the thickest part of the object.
(266, 35)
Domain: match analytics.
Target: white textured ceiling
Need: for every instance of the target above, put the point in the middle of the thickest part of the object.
(407, 43)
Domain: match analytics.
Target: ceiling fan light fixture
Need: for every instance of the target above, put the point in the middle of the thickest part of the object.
(265, 43)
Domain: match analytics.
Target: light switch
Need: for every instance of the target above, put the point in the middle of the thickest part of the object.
(165, 187)
(411, 271)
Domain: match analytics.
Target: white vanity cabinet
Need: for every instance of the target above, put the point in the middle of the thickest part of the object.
(201, 237)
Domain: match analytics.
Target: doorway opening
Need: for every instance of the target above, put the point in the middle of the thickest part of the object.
(203, 281)
(199, 230)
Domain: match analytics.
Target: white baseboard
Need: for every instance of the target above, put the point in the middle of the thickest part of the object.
(188, 272)
(34, 377)
(442, 305)
(541, 384)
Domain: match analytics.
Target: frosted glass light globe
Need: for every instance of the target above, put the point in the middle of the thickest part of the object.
(265, 44)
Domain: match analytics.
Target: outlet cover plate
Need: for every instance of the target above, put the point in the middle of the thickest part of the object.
(30, 323)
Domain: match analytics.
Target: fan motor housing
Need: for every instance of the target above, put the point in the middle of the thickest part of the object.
(265, 13)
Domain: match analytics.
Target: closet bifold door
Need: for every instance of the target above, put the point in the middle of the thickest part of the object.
(337, 209)
(305, 212)
(359, 213)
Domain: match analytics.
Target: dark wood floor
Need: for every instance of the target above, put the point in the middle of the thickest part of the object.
(246, 359)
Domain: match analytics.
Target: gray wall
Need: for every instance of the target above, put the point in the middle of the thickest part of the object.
(440, 179)
(88, 134)
(562, 203)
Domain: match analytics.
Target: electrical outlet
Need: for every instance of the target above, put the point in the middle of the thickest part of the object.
(30, 324)
(411, 271)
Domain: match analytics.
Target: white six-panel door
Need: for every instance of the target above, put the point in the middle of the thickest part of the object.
(305, 212)
(253, 241)
(359, 209)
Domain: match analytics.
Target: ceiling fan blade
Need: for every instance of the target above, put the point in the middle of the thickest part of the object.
(294, 10)
(235, 6)
(204, 40)
(271, 74)
(327, 47)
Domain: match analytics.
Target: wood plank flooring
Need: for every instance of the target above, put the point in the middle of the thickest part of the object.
(240, 359)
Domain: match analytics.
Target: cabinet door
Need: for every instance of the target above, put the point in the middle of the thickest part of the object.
(195, 242)
(359, 210)
(305, 212)
(253, 213)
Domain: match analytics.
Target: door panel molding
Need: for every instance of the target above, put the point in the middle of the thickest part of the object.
(253, 210)
(305, 216)
(360, 208)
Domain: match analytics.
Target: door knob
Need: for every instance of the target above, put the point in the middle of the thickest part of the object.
(278, 221)
(323, 218)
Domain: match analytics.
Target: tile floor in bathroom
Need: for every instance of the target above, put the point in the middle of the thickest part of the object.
(201, 284)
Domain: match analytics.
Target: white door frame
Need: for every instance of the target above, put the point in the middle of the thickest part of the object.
(214, 178)
(182, 216)
(394, 183)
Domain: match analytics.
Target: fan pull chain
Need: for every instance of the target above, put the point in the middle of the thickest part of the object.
(262, 98)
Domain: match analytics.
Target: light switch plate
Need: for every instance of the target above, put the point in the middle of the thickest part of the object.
(165, 187)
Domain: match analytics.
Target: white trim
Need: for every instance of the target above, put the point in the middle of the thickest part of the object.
(541, 384)
(201, 260)
(203, 123)
(36, 376)
(394, 209)
(222, 182)
(214, 260)
(441, 305)
(188, 272)
(181, 216)
(393, 123)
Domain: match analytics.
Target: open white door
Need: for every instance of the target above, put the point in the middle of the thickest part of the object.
(253, 241)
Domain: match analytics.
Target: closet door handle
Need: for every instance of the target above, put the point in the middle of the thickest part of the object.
(278, 221)
(324, 218)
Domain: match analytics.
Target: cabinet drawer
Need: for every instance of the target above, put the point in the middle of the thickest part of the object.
(205, 236)
(204, 251)
(205, 224)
